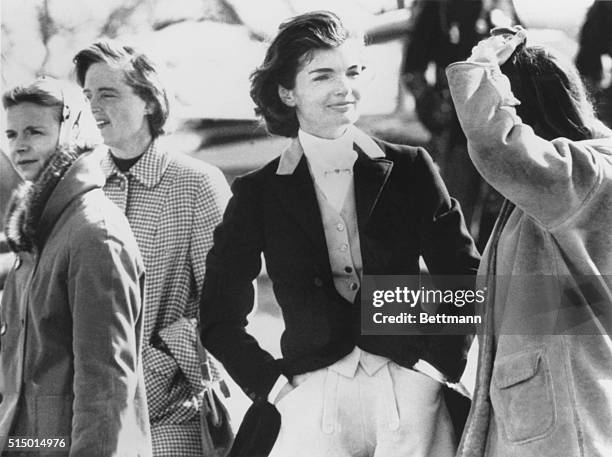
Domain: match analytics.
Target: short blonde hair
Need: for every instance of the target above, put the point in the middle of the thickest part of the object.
(72, 107)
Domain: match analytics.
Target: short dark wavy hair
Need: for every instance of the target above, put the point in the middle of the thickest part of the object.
(140, 73)
(294, 42)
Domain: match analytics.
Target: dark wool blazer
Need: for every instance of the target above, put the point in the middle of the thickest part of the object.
(403, 212)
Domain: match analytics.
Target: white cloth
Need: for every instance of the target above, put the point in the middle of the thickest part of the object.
(331, 164)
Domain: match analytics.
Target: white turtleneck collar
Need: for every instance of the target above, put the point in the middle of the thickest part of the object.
(291, 156)
(325, 155)
(331, 164)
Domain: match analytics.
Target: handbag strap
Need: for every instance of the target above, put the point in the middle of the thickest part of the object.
(210, 376)
(208, 392)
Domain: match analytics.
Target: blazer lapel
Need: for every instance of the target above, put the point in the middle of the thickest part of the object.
(297, 195)
(371, 174)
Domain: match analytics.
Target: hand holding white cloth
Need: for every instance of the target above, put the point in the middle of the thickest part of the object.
(498, 48)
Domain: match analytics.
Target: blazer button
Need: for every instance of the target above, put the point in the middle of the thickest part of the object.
(354, 286)
(3, 328)
(318, 282)
(17, 262)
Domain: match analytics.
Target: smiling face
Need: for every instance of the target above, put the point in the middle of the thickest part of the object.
(121, 115)
(327, 90)
(33, 133)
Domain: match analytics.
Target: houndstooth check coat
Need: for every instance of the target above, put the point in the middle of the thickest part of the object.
(173, 203)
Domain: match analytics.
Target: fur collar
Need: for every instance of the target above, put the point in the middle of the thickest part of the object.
(29, 200)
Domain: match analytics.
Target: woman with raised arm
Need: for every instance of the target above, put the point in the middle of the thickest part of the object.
(544, 380)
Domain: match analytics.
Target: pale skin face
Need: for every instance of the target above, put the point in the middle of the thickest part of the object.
(327, 90)
(121, 115)
(32, 132)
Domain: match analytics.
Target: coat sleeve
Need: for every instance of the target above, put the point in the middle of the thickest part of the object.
(451, 258)
(208, 208)
(549, 180)
(447, 247)
(228, 295)
(105, 293)
(208, 204)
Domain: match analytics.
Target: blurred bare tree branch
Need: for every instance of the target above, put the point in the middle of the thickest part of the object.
(40, 36)
(48, 28)
(119, 17)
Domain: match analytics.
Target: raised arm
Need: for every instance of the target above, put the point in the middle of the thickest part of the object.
(549, 180)
(448, 248)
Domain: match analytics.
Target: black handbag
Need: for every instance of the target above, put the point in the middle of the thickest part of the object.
(216, 430)
(217, 434)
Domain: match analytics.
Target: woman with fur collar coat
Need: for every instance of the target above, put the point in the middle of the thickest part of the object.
(71, 316)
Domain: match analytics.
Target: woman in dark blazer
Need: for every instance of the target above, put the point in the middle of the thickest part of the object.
(336, 205)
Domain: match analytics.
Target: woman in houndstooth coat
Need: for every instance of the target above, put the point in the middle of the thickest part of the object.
(173, 204)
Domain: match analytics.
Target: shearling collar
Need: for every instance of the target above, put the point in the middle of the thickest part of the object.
(35, 206)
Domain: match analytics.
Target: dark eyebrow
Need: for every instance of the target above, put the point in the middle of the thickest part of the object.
(108, 89)
(29, 127)
(321, 70)
(331, 70)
